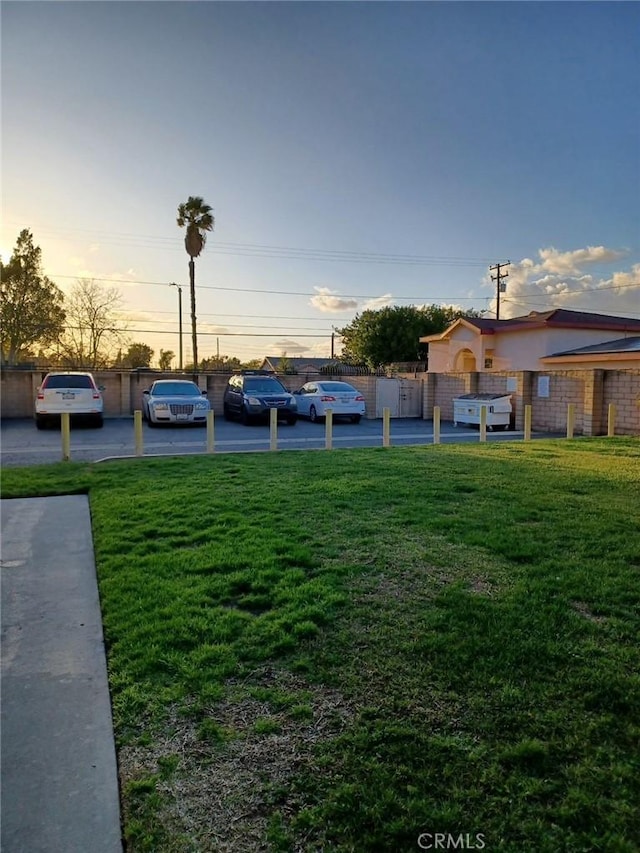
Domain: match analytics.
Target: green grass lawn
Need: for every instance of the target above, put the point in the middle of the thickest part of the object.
(340, 651)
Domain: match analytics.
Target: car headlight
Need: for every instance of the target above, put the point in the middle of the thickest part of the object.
(293, 402)
(201, 404)
(253, 401)
(160, 407)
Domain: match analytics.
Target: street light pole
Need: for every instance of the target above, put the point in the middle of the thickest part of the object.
(173, 284)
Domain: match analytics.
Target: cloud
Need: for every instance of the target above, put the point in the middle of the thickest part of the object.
(569, 263)
(378, 302)
(559, 280)
(211, 329)
(292, 348)
(328, 301)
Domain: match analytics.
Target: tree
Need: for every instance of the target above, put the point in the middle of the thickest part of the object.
(137, 355)
(220, 362)
(31, 305)
(165, 359)
(284, 365)
(93, 327)
(393, 333)
(197, 217)
(252, 364)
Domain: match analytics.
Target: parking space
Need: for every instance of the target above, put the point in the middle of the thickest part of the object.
(22, 444)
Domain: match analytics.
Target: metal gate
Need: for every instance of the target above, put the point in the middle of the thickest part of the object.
(402, 396)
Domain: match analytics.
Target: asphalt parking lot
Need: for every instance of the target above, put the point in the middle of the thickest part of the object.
(22, 444)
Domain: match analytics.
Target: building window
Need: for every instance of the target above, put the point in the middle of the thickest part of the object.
(488, 363)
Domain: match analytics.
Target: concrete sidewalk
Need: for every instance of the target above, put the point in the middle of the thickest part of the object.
(59, 774)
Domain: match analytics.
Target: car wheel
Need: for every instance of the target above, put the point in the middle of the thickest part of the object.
(98, 421)
(40, 422)
(226, 412)
(313, 415)
(292, 420)
(152, 423)
(355, 419)
(244, 416)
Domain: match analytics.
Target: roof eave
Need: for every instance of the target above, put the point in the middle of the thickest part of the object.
(591, 356)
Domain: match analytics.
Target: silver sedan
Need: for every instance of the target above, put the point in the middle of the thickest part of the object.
(174, 401)
(343, 399)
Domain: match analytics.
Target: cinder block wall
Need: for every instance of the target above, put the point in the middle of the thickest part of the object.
(549, 414)
(590, 390)
(622, 388)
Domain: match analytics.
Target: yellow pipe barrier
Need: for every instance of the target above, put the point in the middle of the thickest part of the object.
(65, 431)
(137, 432)
(273, 429)
(527, 423)
(386, 427)
(483, 423)
(328, 426)
(611, 420)
(571, 419)
(436, 424)
(210, 431)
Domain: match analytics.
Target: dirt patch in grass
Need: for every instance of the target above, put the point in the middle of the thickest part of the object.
(234, 764)
(583, 609)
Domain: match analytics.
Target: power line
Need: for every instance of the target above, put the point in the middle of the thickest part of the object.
(260, 316)
(276, 251)
(234, 325)
(212, 334)
(264, 292)
(448, 299)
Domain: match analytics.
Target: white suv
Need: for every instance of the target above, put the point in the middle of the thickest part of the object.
(73, 392)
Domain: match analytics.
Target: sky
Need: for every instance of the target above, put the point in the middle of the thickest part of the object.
(355, 155)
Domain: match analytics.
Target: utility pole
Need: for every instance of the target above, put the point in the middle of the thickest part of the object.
(173, 284)
(500, 286)
(332, 345)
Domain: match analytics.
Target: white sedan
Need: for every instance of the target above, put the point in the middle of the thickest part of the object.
(343, 399)
(174, 401)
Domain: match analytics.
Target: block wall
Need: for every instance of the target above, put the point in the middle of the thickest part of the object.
(622, 388)
(590, 390)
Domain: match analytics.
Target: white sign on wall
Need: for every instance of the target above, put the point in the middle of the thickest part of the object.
(543, 386)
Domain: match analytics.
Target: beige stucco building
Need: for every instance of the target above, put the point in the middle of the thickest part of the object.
(547, 340)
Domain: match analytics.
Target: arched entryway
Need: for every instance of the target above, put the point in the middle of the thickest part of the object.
(465, 361)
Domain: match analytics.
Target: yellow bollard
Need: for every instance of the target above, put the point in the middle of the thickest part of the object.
(527, 423)
(571, 419)
(210, 431)
(137, 432)
(65, 431)
(611, 420)
(436, 424)
(483, 423)
(386, 427)
(273, 429)
(328, 426)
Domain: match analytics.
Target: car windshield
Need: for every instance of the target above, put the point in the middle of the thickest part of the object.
(67, 381)
(340, 387)
(266, 384)
(175, 389)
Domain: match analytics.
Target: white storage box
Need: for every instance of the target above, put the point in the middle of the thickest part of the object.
(467, 408)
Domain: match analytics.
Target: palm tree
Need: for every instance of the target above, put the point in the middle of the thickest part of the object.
(196, 215)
